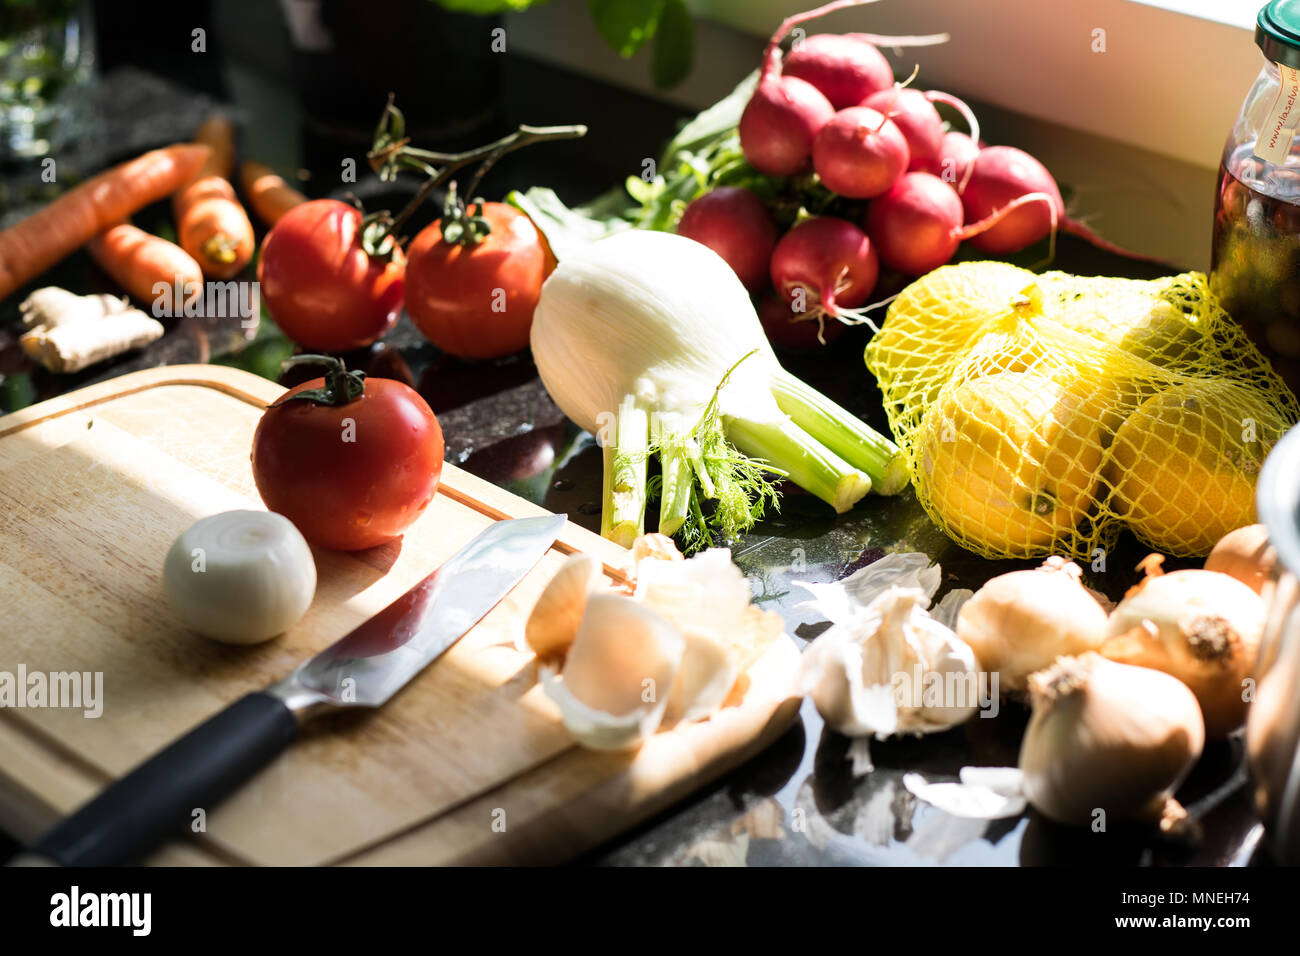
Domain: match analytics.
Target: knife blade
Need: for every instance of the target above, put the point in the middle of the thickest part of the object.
(364, 668)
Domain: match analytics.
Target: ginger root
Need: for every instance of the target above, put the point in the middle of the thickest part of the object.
(67, 332)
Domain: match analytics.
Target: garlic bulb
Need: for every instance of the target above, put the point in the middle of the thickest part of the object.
(890, 668)
(708, 600)
(1109, 739)
(554, 620)
(1020, 622)
(1202, 627)
(240, 577)
(618, 674)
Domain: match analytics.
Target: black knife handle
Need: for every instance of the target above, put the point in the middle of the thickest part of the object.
(157, 799)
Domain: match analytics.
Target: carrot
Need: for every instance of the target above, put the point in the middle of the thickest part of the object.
(269, 195)
(210, 223)
(43, 238)
(148, 267)
(217, 132)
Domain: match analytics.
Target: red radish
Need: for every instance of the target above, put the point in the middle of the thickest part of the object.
(847, 67)
(795, 331)
(859, 153)
(734, 223)
(844, 69)
(956, 158)
(916, 226)
(919, 122)
(779, 123)
(1009, 185)
(999, 175)
(824, 266)
(784, 114)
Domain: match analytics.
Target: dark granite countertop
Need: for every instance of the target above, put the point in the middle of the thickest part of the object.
(798, 803)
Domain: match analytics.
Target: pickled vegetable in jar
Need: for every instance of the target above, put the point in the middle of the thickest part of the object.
(1255, 260)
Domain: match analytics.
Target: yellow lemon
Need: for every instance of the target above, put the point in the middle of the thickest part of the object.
(1009, 462)
(936, 320)
(1184, 465)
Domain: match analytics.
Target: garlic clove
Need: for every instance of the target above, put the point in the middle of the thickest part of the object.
(708, 600)
(618, 674)
(955, 673)
(557, 614)
(593, 728)
(708, 672)
(654, 546)
(891, 669)
(832, 677)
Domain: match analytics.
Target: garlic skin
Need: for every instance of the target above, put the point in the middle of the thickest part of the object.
(875, 671)
(1109, 737)
(618, 674)
(554, 620)
(240, 577)
(707, 599)
(1202, 627)
(1020, 622)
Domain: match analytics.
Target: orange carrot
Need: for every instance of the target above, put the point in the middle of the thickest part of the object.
(269, 195)
(210, 223)
(148, 267)
(217, 132)
(43, 238)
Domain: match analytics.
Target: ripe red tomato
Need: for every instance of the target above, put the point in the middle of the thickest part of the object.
(321, 287)
(350, 475)
(476, 301)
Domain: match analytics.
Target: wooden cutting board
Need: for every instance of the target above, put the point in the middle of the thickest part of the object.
(470, 763)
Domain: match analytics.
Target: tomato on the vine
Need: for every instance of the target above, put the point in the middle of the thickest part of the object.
(324, 290)
(472, 289)
(352, 461)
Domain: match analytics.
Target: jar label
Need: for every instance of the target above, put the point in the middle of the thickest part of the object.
(1278, 129)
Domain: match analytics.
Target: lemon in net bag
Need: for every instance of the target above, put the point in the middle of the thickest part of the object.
(1041, 414)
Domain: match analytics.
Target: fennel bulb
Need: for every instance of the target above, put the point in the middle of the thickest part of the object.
(649, 341)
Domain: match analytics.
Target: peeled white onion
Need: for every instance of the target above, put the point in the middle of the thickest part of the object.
(240, 577)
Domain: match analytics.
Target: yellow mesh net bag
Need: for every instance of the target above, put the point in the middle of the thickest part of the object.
(1041, 414)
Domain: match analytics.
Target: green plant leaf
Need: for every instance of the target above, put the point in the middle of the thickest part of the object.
(674, 47)
(626, 25)
(486, 7)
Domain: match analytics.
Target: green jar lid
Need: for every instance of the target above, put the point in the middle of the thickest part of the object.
(1277, 31)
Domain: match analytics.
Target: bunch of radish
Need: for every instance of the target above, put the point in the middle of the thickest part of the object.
(915, 190)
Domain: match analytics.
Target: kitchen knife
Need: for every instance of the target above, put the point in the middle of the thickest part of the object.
(365, 668)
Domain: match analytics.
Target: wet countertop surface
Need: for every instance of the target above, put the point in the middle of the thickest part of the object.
(799, 802)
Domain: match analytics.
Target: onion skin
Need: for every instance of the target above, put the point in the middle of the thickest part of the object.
(1022, 621)
(1246, 555)
(1202, 627)
(1109, 737)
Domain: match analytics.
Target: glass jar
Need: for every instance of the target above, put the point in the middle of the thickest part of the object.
(47, 58)
(1255, 258)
